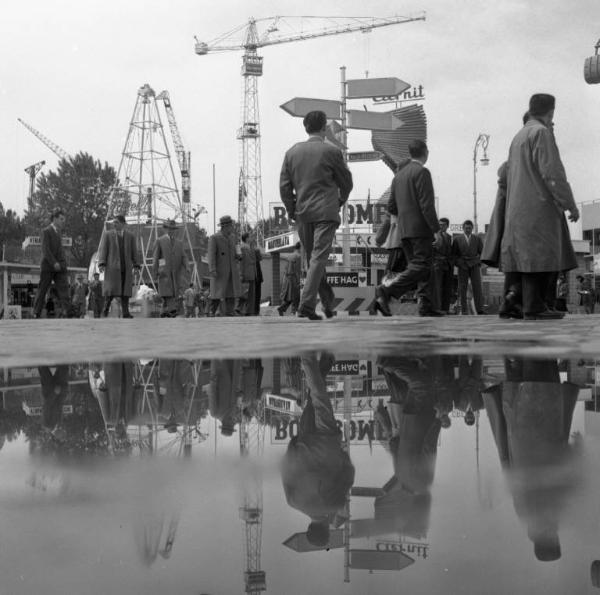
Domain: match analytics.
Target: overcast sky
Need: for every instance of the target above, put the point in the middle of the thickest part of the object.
(72, 70)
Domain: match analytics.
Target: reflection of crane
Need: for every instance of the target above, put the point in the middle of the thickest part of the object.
(183, 156)
(32, 171)
(251, 445)
(276, 30)
(52, 146)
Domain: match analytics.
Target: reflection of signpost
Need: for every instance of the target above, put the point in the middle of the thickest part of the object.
(378, 560)
(299, 543)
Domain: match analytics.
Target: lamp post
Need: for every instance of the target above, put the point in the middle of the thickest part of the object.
(482, 141)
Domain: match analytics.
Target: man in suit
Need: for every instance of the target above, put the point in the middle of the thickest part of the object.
(117, 256)
(53, 268)
(248, 275)
(466, 252)
(442, 270)
(412, 200)
(169, 268)
(224, 268)
(313, 185)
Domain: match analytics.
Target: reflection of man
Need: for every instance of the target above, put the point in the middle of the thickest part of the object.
(225, 378)
(54, 390)
(314, 184)
(53, 268)
(412, 200)
(117, 256)
(530, 415)
(466, 252)
(316, 471)
(170, 268)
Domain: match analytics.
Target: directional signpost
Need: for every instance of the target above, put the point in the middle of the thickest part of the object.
(300, 106)
(373, 120)
(382, 87)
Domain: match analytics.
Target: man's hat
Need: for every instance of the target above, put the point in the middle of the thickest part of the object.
(541, 103)
(225, 220)
(96, 274)
(170, 224)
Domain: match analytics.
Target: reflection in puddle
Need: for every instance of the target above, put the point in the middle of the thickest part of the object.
(301, 473)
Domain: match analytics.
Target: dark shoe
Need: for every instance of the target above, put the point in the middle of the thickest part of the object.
(309, 315)
(329, 313)
(127, 315)
(381, 303)
(545, 315)
(280, 311)
(436, 313)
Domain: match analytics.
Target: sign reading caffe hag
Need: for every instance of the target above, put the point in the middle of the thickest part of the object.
(360, 212)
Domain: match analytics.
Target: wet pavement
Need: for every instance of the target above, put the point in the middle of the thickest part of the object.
(355, 456)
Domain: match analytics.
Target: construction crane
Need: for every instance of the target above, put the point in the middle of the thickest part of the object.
(32, 171)
(246, 37)
(183, 156)
(61, 153)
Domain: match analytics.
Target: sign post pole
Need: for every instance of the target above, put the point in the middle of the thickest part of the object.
(345, 224)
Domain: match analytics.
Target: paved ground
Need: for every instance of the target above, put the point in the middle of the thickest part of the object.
(33, 342)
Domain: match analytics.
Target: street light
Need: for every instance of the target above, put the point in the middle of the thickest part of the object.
(482, 141)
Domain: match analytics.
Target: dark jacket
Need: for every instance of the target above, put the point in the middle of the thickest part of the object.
(413, 201)
(490, 254)
(109, 255)
(223, 263)
(52, 250)
(467, 255)
(314, 181)
(172, 274)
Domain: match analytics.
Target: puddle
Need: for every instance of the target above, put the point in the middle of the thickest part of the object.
(442, 473)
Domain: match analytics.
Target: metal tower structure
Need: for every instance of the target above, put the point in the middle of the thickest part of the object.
(61, 153)
(275, 30)
(147, 190)
(32, 171)
(183, 156)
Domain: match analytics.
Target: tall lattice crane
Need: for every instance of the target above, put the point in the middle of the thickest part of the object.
(275, 30)
(52, 146)
(183, 156)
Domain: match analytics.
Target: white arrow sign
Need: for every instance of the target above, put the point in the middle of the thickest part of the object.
(384, 87)
(373, 120)
(300, 106)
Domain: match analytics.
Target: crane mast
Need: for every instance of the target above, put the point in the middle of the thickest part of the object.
(52, 146)
(183, 156)
(250, 208)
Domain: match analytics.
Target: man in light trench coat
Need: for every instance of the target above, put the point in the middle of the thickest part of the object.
(117, 257)
(224, 268)
(536, 243)
(169, 268)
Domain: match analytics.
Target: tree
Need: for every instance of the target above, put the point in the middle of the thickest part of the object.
(12, 233)
(81, 187)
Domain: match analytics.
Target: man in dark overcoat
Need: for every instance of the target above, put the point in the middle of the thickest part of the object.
(169, 268)
(290, 287)
(224, 267)
(53, 268)
(466, 253)
(314, 183)
(536, 243)
(442, 268)
(248, 277)
(117, 257)
(412, 200)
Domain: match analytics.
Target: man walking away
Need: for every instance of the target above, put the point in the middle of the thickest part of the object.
(117, 257)
(466, 253)
(53, 268)
(412, 200)
(290, 288)
(536, 243)
(313, 185)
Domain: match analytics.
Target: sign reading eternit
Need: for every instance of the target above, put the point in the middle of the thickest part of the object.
(360, 212)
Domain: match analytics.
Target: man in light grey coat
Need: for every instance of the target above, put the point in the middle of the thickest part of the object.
(536, 242)
(169, 268)
(314, 183)
(117, 256)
